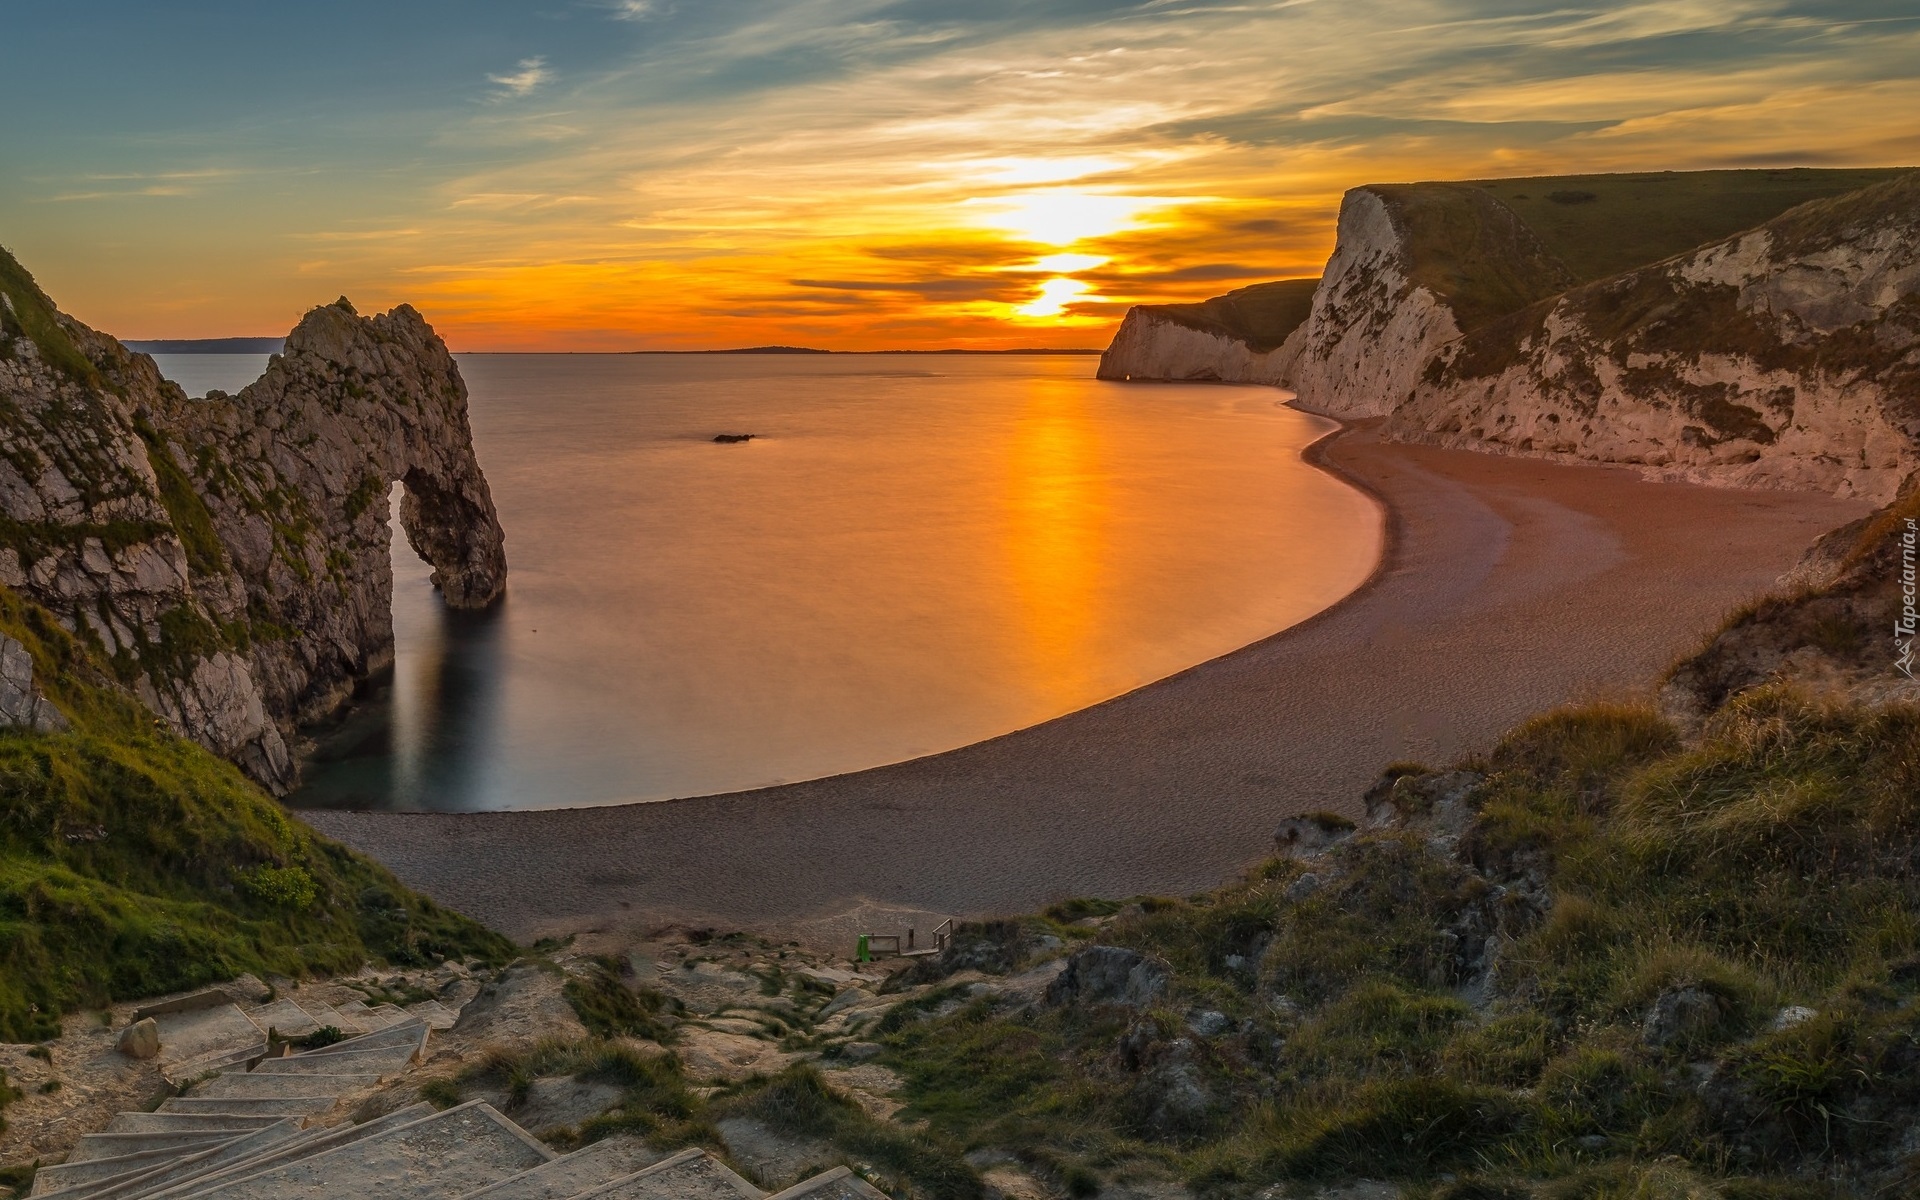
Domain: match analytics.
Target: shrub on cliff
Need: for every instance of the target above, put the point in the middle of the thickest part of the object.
(134, 862)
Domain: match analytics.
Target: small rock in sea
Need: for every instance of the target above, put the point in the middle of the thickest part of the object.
(732, 437)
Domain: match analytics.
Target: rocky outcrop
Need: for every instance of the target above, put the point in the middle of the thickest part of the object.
(21, 704)
(229, 556)
(1787, 356)
(1412, 268)
(1235, 338)
(1843, 623)
(1152, 345)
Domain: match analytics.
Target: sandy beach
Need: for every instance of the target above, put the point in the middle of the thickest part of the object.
(1508, 586)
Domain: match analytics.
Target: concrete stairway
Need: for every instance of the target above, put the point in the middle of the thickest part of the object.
(242, 1132)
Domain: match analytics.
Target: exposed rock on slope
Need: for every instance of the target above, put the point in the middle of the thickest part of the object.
(1787, 356)
(1838, 627)
(1782, 355)
(1233, 338)
(1413, 267)
(229, 556)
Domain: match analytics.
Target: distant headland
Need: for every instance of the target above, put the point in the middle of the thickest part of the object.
(225, 345)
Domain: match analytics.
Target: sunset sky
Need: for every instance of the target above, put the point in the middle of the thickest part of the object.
(625, 174)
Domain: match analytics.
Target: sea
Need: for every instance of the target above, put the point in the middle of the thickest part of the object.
(912, 553)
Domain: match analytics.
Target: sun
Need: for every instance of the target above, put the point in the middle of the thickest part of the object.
(1063, 216)
(1055, 295)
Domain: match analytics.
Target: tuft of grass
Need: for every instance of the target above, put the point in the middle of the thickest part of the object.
(798, 1102)
(609, 1008)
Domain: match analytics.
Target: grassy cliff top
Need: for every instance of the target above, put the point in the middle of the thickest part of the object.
(1261, 315)
(134, 862)
(1601, 225)
(1492, 247)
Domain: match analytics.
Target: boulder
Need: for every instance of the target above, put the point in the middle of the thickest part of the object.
(1108, 975)
(1682, 1015)
(141, 1039)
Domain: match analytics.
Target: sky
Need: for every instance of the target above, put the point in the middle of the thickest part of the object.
(851, 174)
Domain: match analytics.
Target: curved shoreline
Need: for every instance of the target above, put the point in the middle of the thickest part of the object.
(1504, 586)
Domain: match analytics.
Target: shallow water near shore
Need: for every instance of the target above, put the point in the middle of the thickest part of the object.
(912, 554)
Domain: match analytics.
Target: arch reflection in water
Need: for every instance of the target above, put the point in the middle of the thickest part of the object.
(911, 555)
(420, 731)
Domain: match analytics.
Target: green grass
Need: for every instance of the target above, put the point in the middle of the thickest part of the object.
(909, 1163)
(609, 1008)
(31, 313)
(134, 863)
(1636, 219)
(1767, 862)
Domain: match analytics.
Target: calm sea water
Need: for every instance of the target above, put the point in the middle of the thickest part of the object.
(912, 554)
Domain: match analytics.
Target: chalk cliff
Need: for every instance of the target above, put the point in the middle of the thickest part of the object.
(1780, 353)
(228, 556)
(1235, 338)
(1786, 356)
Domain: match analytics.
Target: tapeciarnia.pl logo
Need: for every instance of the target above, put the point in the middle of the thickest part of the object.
(1903, 628)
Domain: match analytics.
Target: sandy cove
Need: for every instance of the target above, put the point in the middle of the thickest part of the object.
(1508, 585)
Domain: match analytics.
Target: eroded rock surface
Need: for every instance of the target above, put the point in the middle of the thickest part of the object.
(228, 556)
(1787, 356)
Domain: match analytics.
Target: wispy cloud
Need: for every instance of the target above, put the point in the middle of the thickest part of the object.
(844, 171)
(530, 74)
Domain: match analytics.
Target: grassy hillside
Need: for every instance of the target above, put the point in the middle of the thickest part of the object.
(1704, 982)
(1261, 315)
(133, 862)
(1600, 225)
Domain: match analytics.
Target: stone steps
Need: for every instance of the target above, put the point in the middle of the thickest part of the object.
(112, 1145)
(200, 1032)
(214, 1062)
(285, 1106)
(689, 1175)
(383, 1061)
(86, 1181)
(445, 1155)
(164, 1122)
(571, 1174)
(837, 1184)
(258, 1087)
(410, 1033)
(241, 1134)
(437, 1015)
(313, 1142)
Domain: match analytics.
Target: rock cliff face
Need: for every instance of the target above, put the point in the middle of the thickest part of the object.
(1787, 356)
(1153, 346)
(1234, 338)
(1398, 288)
(1784, 355)
(229, 556)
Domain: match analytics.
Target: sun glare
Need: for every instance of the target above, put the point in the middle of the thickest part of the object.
(1055, 295)
(1066, 264)
(1063, 216)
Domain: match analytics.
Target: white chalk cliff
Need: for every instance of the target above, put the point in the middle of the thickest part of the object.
(1784, 356)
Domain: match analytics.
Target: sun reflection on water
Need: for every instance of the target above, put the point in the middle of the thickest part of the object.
(1056, 502)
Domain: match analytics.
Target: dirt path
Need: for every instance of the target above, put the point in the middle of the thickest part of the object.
(1510, 585)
